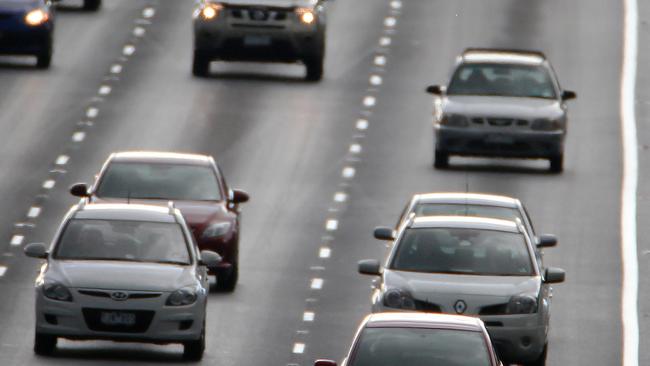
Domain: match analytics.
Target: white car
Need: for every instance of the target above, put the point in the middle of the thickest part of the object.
(125, 273)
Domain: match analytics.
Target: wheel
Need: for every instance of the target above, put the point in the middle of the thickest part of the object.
(92, 5)
(229, 282)
(314, 69)
(200, 64)
(44, 344)
(557, 163)
(541, 360)
(44, 57)
(441, 159)
(193, 350)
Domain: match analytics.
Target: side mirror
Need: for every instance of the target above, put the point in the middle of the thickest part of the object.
(370, 267)
(239, 196)
(568, 95)
(434, 89)
(554, 275)
(79, 190)
(210, 259)
(36, 250)
(384, 233)
(546, 241)
(324, 363)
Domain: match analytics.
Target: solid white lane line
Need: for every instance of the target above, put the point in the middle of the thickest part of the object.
(17, 240)
(308, 316)
(92, 112)
(3, 270)
(298, 348)
(362, 124)
(78, 136)
(49, 184)
(316, 283)
(348, 172)
(62, 160)
(629, 302)
(33, 212)
(332, 225)
(104, 90)
(324, 252)
(355, 149)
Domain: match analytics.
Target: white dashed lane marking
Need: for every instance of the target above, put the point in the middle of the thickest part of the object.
(298, 348)
(384, 41)
(390, 22)
(148, 13)
(332, 225)
(62, 160)
(116, 69)
(128, 50)
(17, 240)
(49, 184)
(348, 172)
(376, 80)
(78, 136)
(355, 148)
(396, 4)
(380, 60)
(324, 252)
(362, 124)
(3, 270)
(92, 112)
(340, 197)
(34, 212)
(369, 101)
(104, 90)
(316, 283)
(139, 31)
(308, 316)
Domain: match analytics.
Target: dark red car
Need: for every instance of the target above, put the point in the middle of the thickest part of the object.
(196, 186)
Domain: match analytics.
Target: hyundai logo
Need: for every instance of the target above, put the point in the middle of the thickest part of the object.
(119, 296)
(460, 306)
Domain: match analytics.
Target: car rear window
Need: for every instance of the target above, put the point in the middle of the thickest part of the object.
(502, 80)
(463, 251)
(420, 347)
(447, 209)
(159, 181)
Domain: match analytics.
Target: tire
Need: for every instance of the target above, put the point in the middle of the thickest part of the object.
(200, 64)
(44, 344)
(229, 282)
(92, 5)
(193, 350)
(440, 159)
(314, 68)
(557, 163)
(44, 58)
(541, 360)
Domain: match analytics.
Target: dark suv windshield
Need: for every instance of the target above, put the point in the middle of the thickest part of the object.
(139, 241)
(463, 251)
(502, 80)
(159, 181)
(420, 347)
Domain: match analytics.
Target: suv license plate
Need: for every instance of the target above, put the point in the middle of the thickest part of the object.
(257, 40)
(499, 139)
(117, 318)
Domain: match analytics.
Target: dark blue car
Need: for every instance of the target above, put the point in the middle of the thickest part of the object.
(27, 28)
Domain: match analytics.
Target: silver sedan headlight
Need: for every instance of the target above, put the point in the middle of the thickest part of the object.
(182, 297)
(398, 299)
(455, 120)
(544, 124)
(216, 230)
(56, 291)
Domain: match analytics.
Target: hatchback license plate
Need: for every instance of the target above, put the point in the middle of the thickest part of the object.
(257, 40)
(117, 318)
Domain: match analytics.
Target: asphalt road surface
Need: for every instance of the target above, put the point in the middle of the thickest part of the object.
(324, 163)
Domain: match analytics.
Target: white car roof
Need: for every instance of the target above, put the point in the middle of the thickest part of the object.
(467, 198)
(467, 222)
(430, 320)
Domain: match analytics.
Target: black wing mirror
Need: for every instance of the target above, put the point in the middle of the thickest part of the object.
(434, 89)
(554, 275)
(36, 250)
(79, 190)
(568, 95)
(239, 196)
(546, 241)
(384, 233)
(370, 267)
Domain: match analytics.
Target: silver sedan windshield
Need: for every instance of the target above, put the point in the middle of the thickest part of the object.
(463, 251)
(138, 241)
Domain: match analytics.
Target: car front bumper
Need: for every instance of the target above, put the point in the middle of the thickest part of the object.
(518, 338)
(155, 322)
(24, 40)
(467, 141)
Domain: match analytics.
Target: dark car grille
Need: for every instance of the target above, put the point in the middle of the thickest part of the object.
(142, 321)
(500, 122)
(428, 307)
(132, 295)
(498, 309)
(259, 14)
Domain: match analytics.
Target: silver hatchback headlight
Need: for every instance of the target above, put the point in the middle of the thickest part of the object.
(56, 291)
(182, 297)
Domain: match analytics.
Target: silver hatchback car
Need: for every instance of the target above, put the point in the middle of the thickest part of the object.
(125, 273)
(260, 30)
(470, 266)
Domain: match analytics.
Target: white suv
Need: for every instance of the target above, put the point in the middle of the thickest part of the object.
(122, 272)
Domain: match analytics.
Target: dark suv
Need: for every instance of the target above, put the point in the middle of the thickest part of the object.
(501, 103)
(255, 30)
(195, 185)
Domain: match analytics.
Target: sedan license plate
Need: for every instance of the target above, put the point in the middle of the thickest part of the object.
(117, 318)
(499, 139)
(257, 40)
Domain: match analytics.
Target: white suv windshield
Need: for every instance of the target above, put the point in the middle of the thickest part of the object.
(463, 251)
(137, 241)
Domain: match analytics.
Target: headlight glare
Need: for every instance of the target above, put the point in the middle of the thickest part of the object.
(57, 291)
(398, 299)
(455, 120)
(182, 297)
(543, 124)
(522, 304)
(210, 11)
(36, 17)
(306, 15)
(216, 230)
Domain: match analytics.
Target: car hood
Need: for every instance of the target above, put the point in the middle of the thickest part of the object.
(15, 7)
(495, 106)
(446, 289)
(273, 3)
(115, 275)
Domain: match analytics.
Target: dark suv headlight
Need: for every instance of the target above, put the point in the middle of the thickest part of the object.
(398, 299)
(455, 120)
(544, 124)
(522, 304)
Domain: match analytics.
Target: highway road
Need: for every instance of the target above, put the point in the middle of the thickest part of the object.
(323, 162)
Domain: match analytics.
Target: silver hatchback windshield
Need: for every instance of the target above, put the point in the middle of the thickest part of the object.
(502, 80)
(137, 241)
(463, 251)
(159, 181)
(420, 347)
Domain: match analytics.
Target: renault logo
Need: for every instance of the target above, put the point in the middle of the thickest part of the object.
(460, 306)
(119, 296)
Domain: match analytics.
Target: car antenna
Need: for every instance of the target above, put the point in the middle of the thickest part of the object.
(170, 206)
(466, 192)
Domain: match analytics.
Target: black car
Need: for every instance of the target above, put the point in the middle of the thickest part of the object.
(27, 28)
(501, 103)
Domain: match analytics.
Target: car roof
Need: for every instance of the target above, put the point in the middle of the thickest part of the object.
(506, 56)
(465, 222)
(423, 320)
(124, 212)
(467, 198)
(160, 157)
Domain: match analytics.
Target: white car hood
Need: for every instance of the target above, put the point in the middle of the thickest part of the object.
(115, 275)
